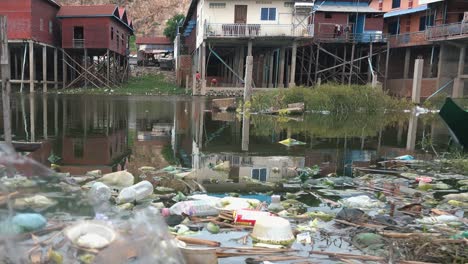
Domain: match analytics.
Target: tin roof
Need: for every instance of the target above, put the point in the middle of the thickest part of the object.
(153, 40)
(87, 11)
(406, 11)
(52, 2)
(345, 7)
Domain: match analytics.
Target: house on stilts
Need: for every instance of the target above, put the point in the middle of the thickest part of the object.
(54, 46)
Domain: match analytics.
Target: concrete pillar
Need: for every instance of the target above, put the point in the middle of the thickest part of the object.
(44, 117)
(44, 69)
(407, 63)
(245, 129)
(292, 78)
(31, 66)
(55, 68)
(203, 69)
(270, 69)
(412, 129)
(56, 131)
(386, 65)
(5, 76)
(249, 48)
(417, 80)
(32, 116)
(248, 78)
(194, 84)
(241, 63)
(64, 70)
(85, 63)
(459, 82)
(282, 55)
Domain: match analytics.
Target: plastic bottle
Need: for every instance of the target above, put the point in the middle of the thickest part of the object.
(275, 205)
(99, 192)
(135, 192)
(192, 208)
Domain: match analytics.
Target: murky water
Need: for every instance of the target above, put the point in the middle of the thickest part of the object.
(110, 133)
(113, 132)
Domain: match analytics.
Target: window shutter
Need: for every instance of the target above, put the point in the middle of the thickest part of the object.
(272, 14)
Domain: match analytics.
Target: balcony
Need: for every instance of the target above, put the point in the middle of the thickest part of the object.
(447, 31)
(342, 33)
(257, 30)
(78, 43)
(408, 39)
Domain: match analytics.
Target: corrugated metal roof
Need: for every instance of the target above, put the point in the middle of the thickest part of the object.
(52, 2)
(87, 11)
(406, 11)
(345, 7)
(153, 40)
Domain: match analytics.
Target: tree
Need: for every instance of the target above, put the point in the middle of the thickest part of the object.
(171, 26)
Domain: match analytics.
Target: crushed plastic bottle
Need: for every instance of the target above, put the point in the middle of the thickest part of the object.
(135, 192)
(275, 205)
(192, 208)
(99, 192)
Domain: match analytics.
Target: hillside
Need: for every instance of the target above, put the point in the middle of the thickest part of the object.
(149, 16)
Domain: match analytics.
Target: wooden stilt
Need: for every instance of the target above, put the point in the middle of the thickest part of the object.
(270, 69)
(31, 66)
(292, 78)
(44, 69)
(85, 63)
(310, 65)
(55, 68)
(343, 71)
(369, 72)
(64, 70)
(351, 64)
(317, 63)
(5, 77)
(386, 66)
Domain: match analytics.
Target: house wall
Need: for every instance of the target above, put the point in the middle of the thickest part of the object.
(205, 14)
(97, 33)
(42, 11)
(387, 4)
(18, 15)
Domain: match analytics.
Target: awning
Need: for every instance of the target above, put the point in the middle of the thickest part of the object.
(429, 1)
(406, 11)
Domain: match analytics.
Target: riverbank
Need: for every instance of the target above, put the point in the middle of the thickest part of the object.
(147, 84)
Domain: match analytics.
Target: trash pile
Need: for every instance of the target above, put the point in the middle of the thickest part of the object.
(397, 211)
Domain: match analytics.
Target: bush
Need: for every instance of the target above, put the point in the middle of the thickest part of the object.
(331, 97)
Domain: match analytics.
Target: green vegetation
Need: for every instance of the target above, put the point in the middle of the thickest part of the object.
(142, 85)
(171, 26)
(133, 47)
(335, 98)
(168, 155)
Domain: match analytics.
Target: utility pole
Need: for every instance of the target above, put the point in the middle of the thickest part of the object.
(5, 74)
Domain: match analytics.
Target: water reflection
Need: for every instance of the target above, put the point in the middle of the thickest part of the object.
(113, 133)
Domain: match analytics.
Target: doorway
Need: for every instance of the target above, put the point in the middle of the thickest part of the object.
(240, 14)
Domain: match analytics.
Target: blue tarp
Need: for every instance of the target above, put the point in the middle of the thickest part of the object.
(406, 11)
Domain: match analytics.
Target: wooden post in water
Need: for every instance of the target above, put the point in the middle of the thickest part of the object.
(5, 74)
(248, 79)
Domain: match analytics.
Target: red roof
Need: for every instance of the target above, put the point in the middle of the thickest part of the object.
(87, 11)
(153, 40)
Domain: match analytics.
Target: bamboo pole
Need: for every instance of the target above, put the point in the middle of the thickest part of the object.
(5, 74)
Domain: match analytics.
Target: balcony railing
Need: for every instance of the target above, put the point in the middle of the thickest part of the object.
(78, 43)
(408, 39)
(365, 37)
(258, 30)
(447, 31)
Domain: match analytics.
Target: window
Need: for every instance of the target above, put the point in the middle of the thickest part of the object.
(288, 4)
(396, 3)
(217, 5)
(393, 28)
(328, 15)
(259, 174)
(425, 21)
(268, 14)
(51, 29)
(78, 33)
(41, 24)
(112, 33)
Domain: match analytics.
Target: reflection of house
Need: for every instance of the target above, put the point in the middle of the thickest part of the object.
(240, 168)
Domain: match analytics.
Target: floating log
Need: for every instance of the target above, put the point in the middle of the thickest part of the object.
(198, 241)
(292, 109)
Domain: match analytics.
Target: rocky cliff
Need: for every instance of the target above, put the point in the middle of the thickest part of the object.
(149, 16)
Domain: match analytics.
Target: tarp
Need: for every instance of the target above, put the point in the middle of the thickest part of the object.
(406, 11)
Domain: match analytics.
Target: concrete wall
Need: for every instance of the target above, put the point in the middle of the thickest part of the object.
(205, 14)
(403, 87)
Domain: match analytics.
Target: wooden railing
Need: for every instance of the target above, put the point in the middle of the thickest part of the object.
(447, 31)
(78, 43)
(257, 30)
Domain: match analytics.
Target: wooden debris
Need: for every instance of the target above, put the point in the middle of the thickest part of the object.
(198, 241)
(407, 235)
(373, 226)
